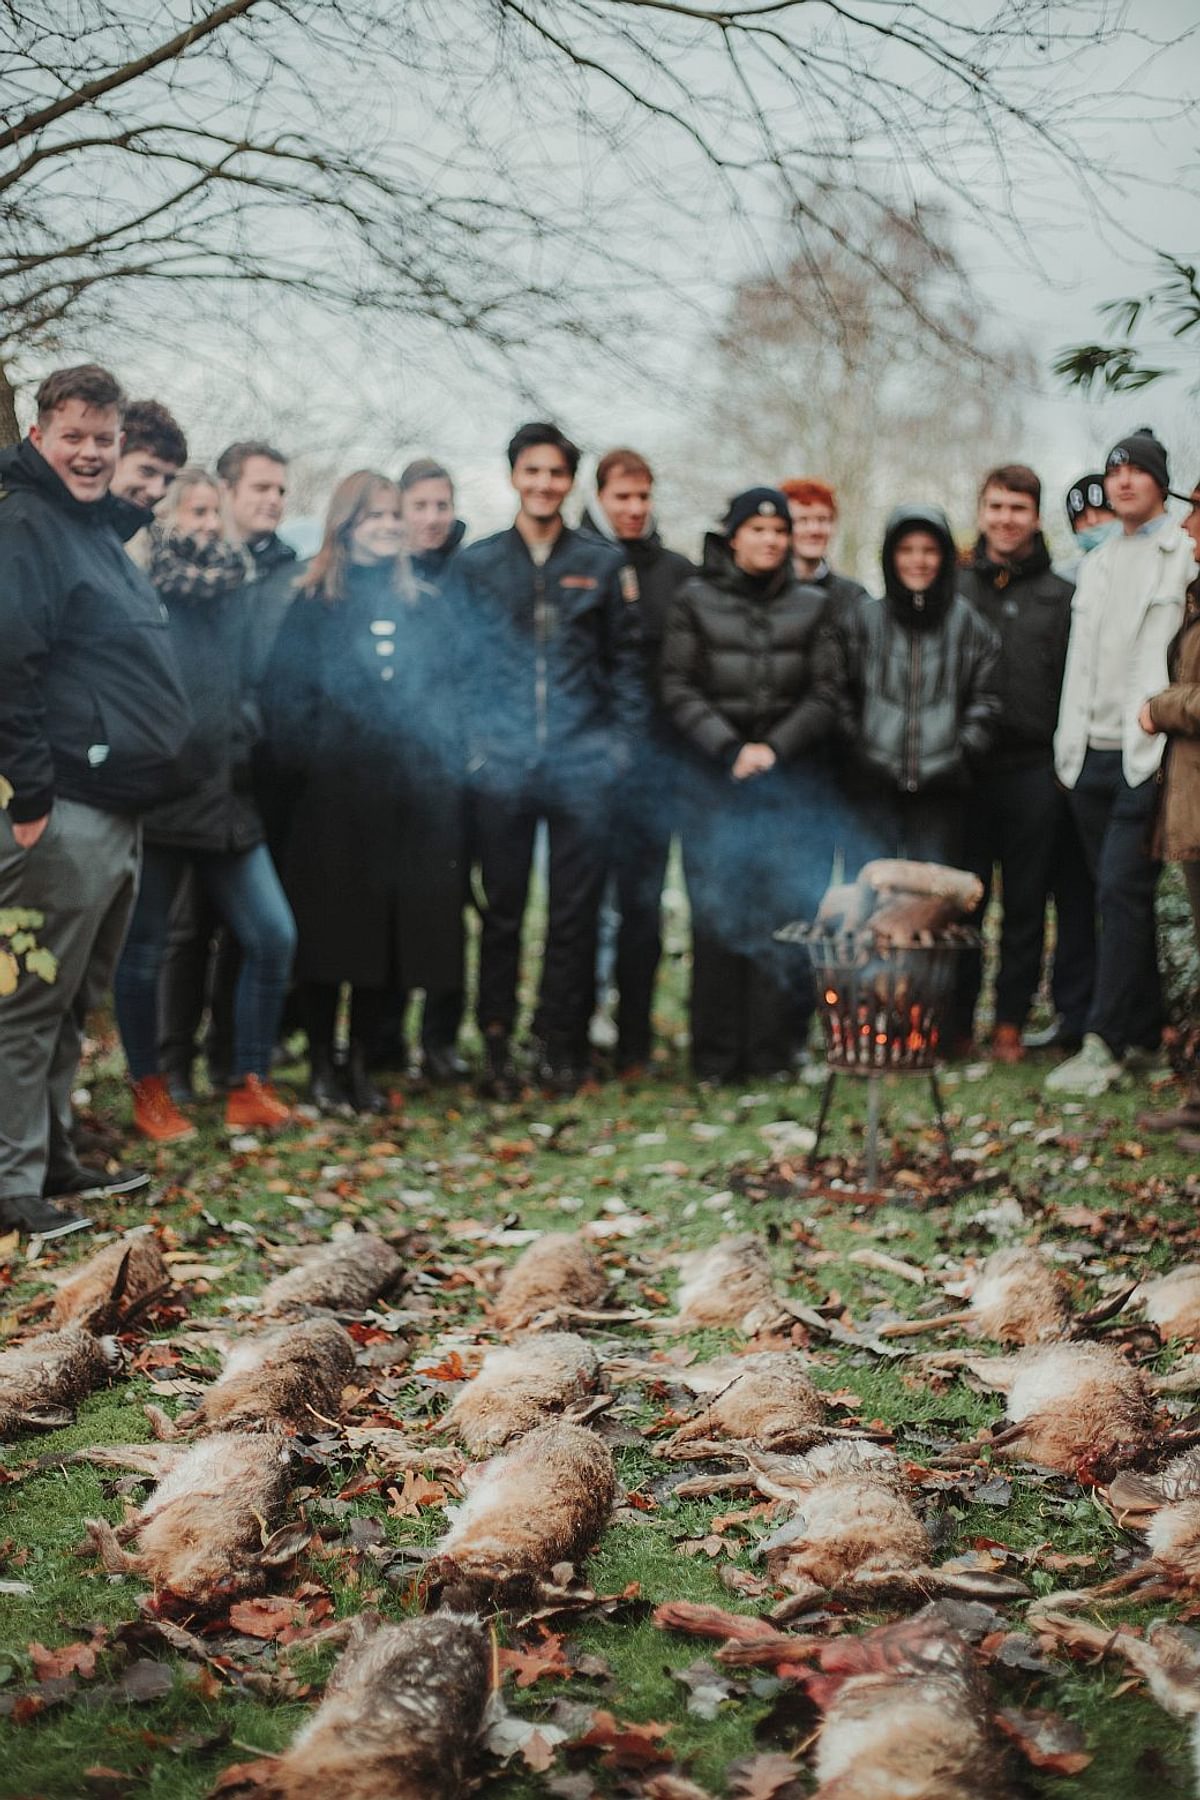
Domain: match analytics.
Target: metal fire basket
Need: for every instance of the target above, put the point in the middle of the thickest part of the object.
(883, 1008)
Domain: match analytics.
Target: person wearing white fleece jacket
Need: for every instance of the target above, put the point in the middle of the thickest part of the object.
(1128, 606)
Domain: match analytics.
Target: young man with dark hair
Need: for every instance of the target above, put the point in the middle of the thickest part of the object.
(1017, 812)
(1128, 606)
(153, 452)
(549, 618)
(433, 535)
(94, 729)
(253, 477)
(645, 801)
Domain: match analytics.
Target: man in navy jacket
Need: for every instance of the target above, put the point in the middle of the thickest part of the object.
(550, 639)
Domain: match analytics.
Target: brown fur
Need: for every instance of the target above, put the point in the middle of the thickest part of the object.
(543, 1502)
(49, 1372)
(1072, 1404)
(201, 1530)
(520, 1387)
(1172, 1302)
(288, 1376)
(905, 1714)
(401, 1717)
(852, 1521)
(731, 1284)
(345, 1275)
(556, 1271)
(103, 1291)
(773, 1405)
(1019, 1298)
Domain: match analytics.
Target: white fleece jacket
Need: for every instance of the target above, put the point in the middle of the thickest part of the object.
(1154, 581)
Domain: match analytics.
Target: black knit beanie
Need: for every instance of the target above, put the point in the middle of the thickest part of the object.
(1143, 450)
(764, 502)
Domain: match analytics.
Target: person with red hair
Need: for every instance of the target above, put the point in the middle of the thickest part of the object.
(814, 509)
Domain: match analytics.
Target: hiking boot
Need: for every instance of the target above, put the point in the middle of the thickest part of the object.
(499, 1079)
(325, 1087)
(40, 1218)
(155, 1114)
(254, 1105)
(559, 1078)
(365, 1097)
(75, 1179)
(1091, 1073)
(1006, 1044)
(443, 1065)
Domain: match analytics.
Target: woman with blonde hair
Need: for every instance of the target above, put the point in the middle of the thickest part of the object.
(361, 709)
(213, 832)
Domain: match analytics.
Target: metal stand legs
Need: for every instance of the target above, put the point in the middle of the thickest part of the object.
(874, 1080)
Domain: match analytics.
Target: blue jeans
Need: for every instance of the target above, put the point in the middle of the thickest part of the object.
(246, 893)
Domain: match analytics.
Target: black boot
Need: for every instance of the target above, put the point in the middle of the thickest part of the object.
(365, 1097)
(499, 1079)
(325, 1087)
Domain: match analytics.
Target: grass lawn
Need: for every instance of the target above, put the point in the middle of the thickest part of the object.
(660, 1168)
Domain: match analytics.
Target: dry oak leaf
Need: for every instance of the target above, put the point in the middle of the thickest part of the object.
(538, 1752)
(450, 1370)
(266, 1618)
(766, 1778)
(408, 1501)
(1046, 1739)
(69, 1659)
(539, 1661)
(624, 1746)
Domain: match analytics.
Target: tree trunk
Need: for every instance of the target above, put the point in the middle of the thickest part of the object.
(10, 430)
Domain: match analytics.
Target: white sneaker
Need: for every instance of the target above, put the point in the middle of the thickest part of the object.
(1091, 1072)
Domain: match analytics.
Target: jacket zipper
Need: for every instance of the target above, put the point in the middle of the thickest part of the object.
(539, 633)
(914, 700)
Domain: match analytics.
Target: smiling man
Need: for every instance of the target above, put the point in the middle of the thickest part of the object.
(1018, 814)
(94, 729)
(550, 625)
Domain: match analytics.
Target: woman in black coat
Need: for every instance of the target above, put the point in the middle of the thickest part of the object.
(360, 700)
(738, 683)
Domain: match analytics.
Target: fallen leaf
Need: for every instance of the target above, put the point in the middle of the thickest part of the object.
(1046, 1739)
(624, 1746)
(417, 1493)
(538, 1751)
(243, 1778)
(766, 1778)
(539, 1662)
(146, 1680)
(70, 1659)
(707, 1688)
(267, 1617)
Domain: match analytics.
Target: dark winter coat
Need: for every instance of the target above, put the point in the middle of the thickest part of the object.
(552, 661)
(202, 587)
(92, 707)
(842, 590)
(915, 676)
(433, 566)
(361, 707)
(1029, 608)
(660, 574)
(1176, 710)
(738, 663)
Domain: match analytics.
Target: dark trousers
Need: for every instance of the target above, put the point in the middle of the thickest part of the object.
(317, 1006)
(246, 893)
(1073, 975)
(926, 827)
(1012, 821)
(441, 1022)
(505, 828)
(641, 849)
(1115, 823)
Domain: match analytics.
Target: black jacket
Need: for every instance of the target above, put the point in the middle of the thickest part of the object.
(738, 661)
(1029, 608)
(91, 703)
(362, 710)
(551, 657)
(842, 590)
(203, 588)
(915, 675)
(660, 573)
(433, 566)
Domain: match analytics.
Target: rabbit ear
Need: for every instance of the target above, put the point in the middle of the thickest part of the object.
(1133, 1499)
(1109, 1308)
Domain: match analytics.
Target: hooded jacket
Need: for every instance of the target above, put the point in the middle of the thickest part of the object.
(739, 663)
(92, 707)
(552, 658)
(1028, 606)
(432, 566)
(915, 674)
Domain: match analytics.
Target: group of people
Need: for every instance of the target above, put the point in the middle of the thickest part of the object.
(262, 793)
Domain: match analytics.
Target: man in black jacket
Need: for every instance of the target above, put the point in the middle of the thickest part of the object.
(549, 619)
(94, 728)
(253, 477)
(1018, 813)
(645, 803)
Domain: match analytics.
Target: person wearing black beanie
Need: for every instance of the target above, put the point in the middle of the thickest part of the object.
(739, 684)
(1128, 606)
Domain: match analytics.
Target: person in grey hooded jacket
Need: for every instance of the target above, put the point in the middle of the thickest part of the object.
(915, 673)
